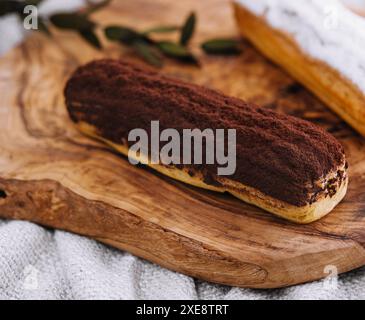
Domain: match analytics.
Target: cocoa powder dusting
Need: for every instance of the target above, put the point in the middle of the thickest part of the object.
(280, 155)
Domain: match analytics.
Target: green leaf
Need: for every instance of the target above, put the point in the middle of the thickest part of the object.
(187, 30)
(72, 21)
(95, 6)
(147, 53)
(173, 49)
(161, 29)
(91, 38)
(176, 51)
(221, 46)
(10, 6)
(123, 34)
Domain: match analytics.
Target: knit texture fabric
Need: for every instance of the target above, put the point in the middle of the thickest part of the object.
(39, 263)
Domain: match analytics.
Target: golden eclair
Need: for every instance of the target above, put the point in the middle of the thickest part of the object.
(320, 43)
(285, 165)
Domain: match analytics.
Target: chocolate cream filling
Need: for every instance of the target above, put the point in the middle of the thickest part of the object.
(282, 156)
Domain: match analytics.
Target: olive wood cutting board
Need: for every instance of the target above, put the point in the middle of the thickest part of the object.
(52, 175)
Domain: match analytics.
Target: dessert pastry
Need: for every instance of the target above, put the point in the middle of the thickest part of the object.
(320, 43)
(284, 165)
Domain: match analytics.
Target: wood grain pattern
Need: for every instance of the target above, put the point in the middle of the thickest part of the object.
(52, 175)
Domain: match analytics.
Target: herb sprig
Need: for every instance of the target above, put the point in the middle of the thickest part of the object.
(151, 50)
(142, 42)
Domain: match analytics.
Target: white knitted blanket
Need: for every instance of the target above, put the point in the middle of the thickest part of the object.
(37, 263)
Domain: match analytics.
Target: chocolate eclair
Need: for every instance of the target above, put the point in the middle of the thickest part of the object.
(284, 165)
